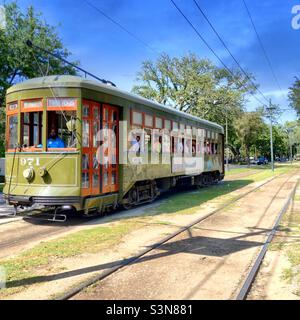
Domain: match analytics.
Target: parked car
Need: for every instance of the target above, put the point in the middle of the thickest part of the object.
(262, 160)
(2, 167)
(252, 160)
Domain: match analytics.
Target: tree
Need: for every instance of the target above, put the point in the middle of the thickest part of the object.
(294, 96)
(194, 85)
(17, 61)
(249, 127)
(294, 135)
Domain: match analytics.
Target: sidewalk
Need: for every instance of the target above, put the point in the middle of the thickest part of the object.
(4, 211)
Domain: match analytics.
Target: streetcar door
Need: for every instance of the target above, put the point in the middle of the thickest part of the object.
(109, 150)
(91, 121)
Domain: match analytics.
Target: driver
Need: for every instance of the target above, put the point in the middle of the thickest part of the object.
(54, 140)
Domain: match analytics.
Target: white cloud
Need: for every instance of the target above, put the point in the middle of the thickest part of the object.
(2, 18)
(277, 93)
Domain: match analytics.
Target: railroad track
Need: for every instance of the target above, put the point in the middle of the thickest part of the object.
(251, 276)
(10, 218)
(134, 259)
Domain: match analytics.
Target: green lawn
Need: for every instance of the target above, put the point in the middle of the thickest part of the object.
(189, 202)
(33, 265)
(288, 243)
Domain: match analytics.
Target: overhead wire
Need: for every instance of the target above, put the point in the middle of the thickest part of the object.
(227, 49)
(263, 48)
(211, 49)
(118, 24)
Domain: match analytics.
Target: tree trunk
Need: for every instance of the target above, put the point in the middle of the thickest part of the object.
(248, 157)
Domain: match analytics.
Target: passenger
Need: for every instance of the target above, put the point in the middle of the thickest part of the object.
(136, 145)
(54, 140)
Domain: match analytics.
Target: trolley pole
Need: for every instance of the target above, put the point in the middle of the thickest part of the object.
(270, 116)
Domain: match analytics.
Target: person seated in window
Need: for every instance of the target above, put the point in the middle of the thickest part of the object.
(54, 140)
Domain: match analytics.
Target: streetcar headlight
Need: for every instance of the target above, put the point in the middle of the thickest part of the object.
(42, 172)
(28, 174)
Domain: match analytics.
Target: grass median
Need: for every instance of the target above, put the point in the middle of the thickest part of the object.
(30, 267)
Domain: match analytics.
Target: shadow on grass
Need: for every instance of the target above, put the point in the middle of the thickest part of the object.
(196, 245)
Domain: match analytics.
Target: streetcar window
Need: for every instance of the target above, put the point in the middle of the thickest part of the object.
(157, 141)
(216, 148)
(148, 121)
(12, 131)
(58, 122)
(137, 118)
(158, 123)
(168, 125)
(194, 147)
(32, 129)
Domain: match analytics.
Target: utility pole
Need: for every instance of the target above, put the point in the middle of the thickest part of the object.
(270, 110)
(271, 144)
(227, 149)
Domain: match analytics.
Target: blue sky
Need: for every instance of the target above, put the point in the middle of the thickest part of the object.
(106, 50)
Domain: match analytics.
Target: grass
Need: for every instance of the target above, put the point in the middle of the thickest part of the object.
(289, 244)
(27, 268)
(30, 267)
(238, 170)
(188, 203)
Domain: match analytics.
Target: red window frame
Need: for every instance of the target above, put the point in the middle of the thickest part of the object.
(162, 123)
(170, 124)
(31, 126)
(11, 114)
(32, 109)
(144, 117)
(40, 125)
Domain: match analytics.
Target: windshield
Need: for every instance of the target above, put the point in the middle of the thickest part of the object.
(31, 134)
(59, 135)
(12, 131)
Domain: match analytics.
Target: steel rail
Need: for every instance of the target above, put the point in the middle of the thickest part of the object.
(133, 259)
(244, 291)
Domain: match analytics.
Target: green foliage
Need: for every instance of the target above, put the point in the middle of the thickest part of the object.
(249, 128)
(195, 86)
(294, 96)
(280, 142)
(17, 61)
(294, 135)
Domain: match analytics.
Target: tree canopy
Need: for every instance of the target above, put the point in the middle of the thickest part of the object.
(199, 87)
(294, 96)
(194, 85)
(17, 61)
(249, 127)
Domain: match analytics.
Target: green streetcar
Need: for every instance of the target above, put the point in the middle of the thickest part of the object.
(81, 146)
